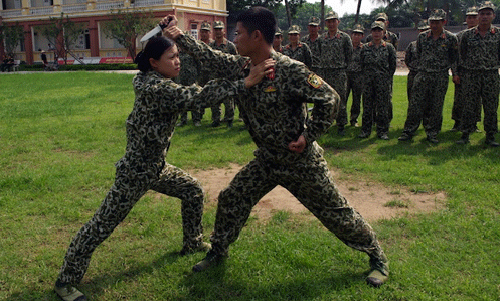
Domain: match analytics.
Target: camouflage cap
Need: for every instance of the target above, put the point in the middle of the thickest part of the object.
(314, 21)
(331, 15)
(472, 11)
(218, 24)
(423, 25)
(381, 16)
(487, 5)
(205, 26)
(437, 15)
(278, 32)
(294, 29)
(378, 24)
(358, 28)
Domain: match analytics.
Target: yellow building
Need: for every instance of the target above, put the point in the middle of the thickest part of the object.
(93, 43)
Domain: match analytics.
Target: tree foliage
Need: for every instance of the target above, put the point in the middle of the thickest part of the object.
(11, 36)
(127, 26)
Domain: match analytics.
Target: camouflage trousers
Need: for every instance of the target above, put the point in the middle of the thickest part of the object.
(195, 116)
(228, 110)
(337, 79)
(376, 103)
(355, 85)
(477, 87)
(128, 188)
(426, 103)
(410, 79)
(310, 181)
(459, 104)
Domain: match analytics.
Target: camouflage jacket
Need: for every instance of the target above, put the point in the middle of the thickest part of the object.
(275, 111)
(302, 53)
(436, 55)
(455, 67)
(380, 60)
(478, 53)
(336, 52)
(158, 102)
(389, 36)
(355, 63)
(315, 47)
(190, 69)
(411, 56)
(226, 46)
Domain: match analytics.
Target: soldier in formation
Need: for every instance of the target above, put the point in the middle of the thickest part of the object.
(411, 58)
(296, 49)
(312, 39)
(355, 76)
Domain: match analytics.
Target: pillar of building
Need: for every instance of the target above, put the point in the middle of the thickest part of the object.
(25, 4)
(28, 43)
(94, 38)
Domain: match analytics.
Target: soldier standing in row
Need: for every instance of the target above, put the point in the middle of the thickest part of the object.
(387, 36)
(222, 44)
(189, 73)
(204, 75)
(480, 61)
(336, 53)
(437, 50)
(378, 60)
(411, 59)
(471, 19)
(313, 41)
(355, 75)
(278, 39)
(296, 49)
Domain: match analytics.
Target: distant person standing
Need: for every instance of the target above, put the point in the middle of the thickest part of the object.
(312, 39)
(437, 50)
(296, 49)
(355, 75)
(387, 36)
(378, 60)
(336, 53)
(278, 40)
(204, 75)
(43, 56)
(411, 59)
(480, 61)
(224, 45)
(471, 19)
(190, 69)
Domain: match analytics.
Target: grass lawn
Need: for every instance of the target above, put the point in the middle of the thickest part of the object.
(61, 133)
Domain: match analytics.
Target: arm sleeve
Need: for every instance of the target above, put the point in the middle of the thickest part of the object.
(392, 59)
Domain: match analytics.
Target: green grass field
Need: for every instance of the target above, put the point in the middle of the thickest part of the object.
(61, 133)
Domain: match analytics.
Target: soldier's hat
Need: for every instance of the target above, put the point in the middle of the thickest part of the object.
(331, 15)
(358, 28)
(278, 32)
(422, 25)
(218, 24)
(294, 29)
(487, 5)
(314, 21)
(205, 26)
(378, 24)
(381, 17)
(472, 11)
(437, 15)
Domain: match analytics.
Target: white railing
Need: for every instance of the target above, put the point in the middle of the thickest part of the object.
(108, 5)
(41, 10)
(74, 8)
(11, 13)
(145, 3)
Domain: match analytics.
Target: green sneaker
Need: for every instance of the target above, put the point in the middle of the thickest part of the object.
(203, 247)
(378, 274)
(212, 259)
(68, 292)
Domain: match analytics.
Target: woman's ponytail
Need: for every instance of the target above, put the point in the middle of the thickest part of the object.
(154, 49)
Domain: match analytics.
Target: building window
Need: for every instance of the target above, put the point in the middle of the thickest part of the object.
(194, 30)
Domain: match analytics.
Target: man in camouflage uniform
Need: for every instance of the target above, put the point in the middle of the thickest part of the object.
(313, 41)
(388, 36)
(437, 50)
(471, 20)
(190, 69)
(205, 74)
(411, 59)
(355, 75)
(278, 39)
(224, 45)
(275, 112)
(296, 49)
(336, 53)
(378, 61)
(480, 61)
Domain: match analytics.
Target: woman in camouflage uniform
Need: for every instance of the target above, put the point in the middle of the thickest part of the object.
(150, 127)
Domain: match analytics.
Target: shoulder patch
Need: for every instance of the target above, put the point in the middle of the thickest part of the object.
(314, 80)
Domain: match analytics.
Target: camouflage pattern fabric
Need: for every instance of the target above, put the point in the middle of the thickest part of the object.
(389, 37)
(355, 79)
(315, 47)
(227, 47)
(411, 61)
(301, 53)
(188, 75)
(379, 65)
(150, 127)
(431, 82)
(480, 62)
(275, 113)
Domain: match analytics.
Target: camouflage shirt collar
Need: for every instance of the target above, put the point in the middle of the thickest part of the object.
(442, 36)
(371, 44)
(491, 30)
(299, 44)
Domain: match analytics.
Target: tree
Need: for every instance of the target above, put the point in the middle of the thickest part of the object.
(11, 36)
(126, 26)
(63, 33)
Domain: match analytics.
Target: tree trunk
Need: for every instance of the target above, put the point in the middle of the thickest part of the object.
(288, 14)
(357, 12)
(322, 23)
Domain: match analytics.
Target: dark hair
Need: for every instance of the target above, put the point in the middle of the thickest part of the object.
(154, 49)
(261, 19)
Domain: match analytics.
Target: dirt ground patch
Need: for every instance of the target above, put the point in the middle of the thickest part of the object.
(373, 200)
